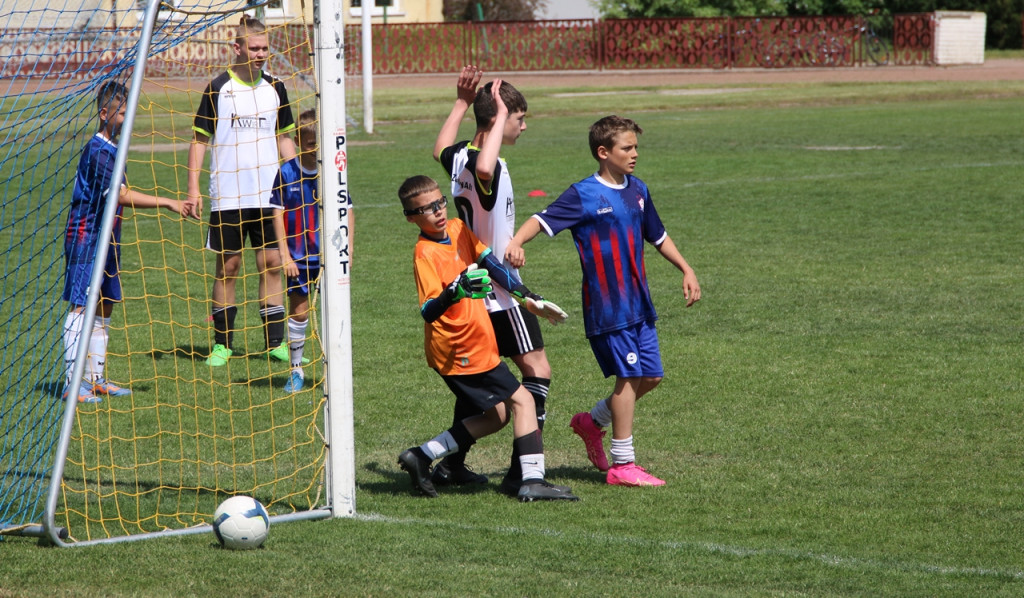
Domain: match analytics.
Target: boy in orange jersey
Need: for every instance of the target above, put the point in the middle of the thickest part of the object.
(460, 343)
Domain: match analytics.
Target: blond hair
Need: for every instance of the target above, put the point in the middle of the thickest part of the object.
(249, 26)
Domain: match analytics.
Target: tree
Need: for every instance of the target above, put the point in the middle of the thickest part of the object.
(493, 10)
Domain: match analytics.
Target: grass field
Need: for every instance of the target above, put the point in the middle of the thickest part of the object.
(840, 415)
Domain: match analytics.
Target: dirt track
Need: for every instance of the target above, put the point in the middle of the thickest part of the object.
(991, 70)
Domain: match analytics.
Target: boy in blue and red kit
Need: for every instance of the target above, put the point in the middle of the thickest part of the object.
(610, 215)
(81, 238)
(460, 344)
(298, 232)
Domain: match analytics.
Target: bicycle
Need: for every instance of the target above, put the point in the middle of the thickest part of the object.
(743, 47)
(877, 50)
(815, 49)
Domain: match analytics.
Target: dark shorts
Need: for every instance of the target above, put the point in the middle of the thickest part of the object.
(305, 282)
(484, 390)
(230, 228)
(518, 331)
(79, 275)
(629, 353)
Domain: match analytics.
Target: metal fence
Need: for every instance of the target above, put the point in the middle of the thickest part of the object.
(586, 44)
(573, 44)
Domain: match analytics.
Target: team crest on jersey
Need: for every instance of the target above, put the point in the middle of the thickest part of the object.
(640, 201)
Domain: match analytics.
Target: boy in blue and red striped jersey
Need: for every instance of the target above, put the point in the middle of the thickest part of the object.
(296, 194)
(82, 237)
(610, 215)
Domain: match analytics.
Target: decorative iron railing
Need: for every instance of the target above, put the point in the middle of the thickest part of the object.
(572, 44)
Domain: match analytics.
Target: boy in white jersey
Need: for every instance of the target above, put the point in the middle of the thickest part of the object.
(482, 192)
(244, 117)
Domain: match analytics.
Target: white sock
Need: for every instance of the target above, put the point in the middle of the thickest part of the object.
(97, 350)
(533, 466)
(72, 335)
(296, 340)
(622, 451)
(441, 445)
(602, 414)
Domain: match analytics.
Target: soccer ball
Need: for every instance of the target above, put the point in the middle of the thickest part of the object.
(241, 523)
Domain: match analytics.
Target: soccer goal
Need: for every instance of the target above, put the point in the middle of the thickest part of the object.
(159, 460)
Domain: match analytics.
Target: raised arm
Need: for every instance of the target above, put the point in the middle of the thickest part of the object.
(487, 161)
(469, 80)
(691, 288)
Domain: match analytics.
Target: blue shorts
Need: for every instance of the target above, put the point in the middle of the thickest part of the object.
(78, 277)
(629, 353)
(305, 281)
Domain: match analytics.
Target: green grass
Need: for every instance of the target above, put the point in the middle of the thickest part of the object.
(840, 414)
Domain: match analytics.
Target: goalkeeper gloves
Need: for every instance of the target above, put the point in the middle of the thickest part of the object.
(538, 306)
(473, 283)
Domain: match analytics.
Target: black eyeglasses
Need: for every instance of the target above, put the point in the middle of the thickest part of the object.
(430, 208)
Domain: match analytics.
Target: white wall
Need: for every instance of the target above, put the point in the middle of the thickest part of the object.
(569, 9)
(959, 37)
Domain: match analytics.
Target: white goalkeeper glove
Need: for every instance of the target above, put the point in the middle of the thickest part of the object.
(538, 306)
(543, 308)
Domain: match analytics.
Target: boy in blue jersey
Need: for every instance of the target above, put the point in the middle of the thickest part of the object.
(81, 238)
(610, 215)
(296, 194)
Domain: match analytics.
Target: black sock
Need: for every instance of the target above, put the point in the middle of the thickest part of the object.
(463, 409)
(273, 317)
(224, 324)
(538, 387)
(462, 437)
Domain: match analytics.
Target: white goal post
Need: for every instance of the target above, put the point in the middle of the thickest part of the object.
(336, 256)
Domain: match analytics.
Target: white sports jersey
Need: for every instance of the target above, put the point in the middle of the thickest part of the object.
(492, 217)
(243, 121)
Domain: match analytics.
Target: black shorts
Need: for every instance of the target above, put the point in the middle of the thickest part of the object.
(518, 331)
(229, 229)
(484, 390)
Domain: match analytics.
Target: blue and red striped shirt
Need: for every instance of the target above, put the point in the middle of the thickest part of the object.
(88, 203)
(609, 225)
(295, 190)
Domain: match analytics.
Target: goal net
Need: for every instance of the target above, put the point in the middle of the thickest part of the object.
(160, 459)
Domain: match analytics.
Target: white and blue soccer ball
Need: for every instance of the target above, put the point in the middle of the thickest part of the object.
(241, 523)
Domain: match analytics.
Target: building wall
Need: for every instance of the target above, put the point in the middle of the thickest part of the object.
(959, 37)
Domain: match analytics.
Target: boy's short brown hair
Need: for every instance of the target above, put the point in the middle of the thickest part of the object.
(111, 95)
(484, 108)
(306, 125)
(414, 186)
(603, 132)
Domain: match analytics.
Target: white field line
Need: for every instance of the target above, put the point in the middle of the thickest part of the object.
(831, 560)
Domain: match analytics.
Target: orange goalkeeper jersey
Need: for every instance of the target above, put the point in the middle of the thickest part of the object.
(462, 340)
